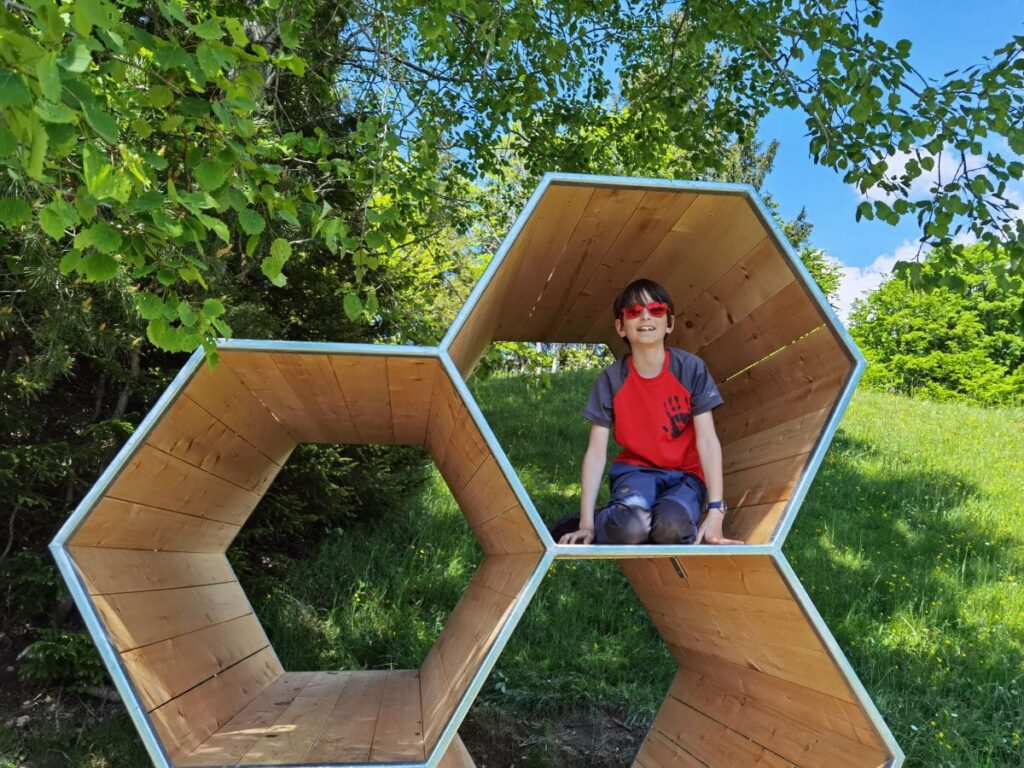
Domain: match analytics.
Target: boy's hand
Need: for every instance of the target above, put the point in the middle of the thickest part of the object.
(711, 530)
(582, 536)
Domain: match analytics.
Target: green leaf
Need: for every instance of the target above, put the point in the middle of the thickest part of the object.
(37, 155)
(166, 276)
(49, 76)
(101, 122)
(13, 91)
(88, 14)
(213, 223)
(54, 113)
(186, 315)
(163, 335)
(14, 212)
(56, 217)
(76, 57)
(353, 306)
(150, 306)
(170, 56)
(211, 174)
(212, 308)
(99, 267)
(280, 252)
(159, 96)
(236, 30)
(101, 236)
(8, 144)
(251, 222)
(208, 30)
(70, 262)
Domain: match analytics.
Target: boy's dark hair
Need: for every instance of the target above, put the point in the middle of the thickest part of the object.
(636, 293)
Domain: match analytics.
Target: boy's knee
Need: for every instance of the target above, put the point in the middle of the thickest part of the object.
(628, 525)
(672, 525)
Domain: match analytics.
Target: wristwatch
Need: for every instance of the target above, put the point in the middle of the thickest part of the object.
(719, 505)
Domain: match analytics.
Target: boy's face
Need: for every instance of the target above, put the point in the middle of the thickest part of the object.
(645, 330)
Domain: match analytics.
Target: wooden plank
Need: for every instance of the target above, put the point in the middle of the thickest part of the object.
(772, 718)
(804, 377)
(123, 525)
(506, 574)
(756, 279)
(157, 479)
(487, 493)
(225, 396)
(190, 433)
(131, 570)
(810, 668)
(478, 331)
(711, 239)
(739, 619)
(711, 743)
(163, 670)
(766, 483)
(812, 707)
(187, 721)
(752, 576)
(456, 756)
(508, 533)
(311, 377)
(465, 452)
(538, 251)
(438, 700)
(445, 407)
(777, 323)
(784, 440)
(399, 733)
(260, 374)
(364, 382)
(237, 736)
(606, 214)
(754, 524)
(290, 739)
(650, 224)
(470, 633)
(135, 619)
(411, 385)
(347, 736)
(658, 751)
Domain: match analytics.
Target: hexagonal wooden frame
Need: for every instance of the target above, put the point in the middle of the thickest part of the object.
(144, 558)
(761, 679)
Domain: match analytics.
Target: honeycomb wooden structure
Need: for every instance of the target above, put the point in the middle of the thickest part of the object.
(760, 680)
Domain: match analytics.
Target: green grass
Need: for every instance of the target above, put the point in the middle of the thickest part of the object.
(910, 542)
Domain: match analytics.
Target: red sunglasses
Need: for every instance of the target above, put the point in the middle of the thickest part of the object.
(654, 309)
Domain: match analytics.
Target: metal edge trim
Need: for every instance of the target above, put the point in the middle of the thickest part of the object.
(828, 640)
(654, 551)
(325, 347)
(821, 446)
(111, 659)
(473, 690)
(651, 183)
(498, 452)
(99, 488)
(496, 261)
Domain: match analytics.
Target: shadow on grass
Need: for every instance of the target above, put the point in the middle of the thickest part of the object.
(904, 578)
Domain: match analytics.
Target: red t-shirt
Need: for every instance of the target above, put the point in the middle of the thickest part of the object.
(652, 419)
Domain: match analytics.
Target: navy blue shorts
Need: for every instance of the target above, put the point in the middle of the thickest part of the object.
(647, 505)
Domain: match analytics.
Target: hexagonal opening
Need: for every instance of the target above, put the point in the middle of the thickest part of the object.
(179, 635)
(760, 679)
(744, 304)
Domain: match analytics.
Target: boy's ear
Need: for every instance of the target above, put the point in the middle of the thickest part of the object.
(670, 325)
(619, 329)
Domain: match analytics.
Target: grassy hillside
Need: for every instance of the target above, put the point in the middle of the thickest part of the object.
(910, 543)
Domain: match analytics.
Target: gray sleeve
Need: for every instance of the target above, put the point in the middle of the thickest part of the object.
(697, 379)
(598, 409)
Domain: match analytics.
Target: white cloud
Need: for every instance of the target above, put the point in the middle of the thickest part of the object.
(858, 281)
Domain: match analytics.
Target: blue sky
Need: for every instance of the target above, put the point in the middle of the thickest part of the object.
(945, 35)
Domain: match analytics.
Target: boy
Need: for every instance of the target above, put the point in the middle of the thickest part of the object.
(659, 401)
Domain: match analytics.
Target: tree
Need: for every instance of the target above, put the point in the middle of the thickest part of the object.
(945, 344)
